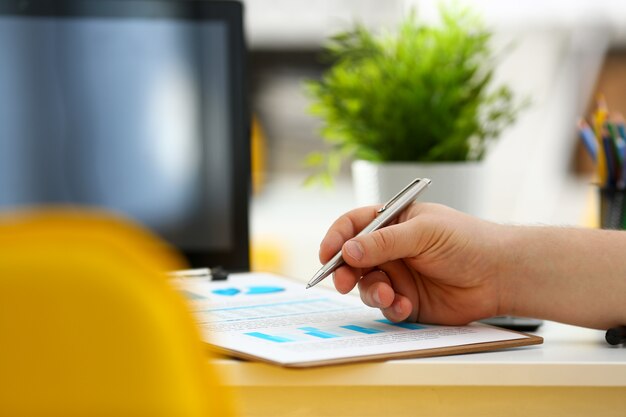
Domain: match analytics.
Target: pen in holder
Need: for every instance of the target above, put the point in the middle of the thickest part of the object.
(604, 137)
(612, 211)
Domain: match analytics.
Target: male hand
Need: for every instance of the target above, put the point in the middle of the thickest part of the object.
(432, 265)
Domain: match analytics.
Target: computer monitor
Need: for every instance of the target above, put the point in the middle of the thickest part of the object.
(136, 106)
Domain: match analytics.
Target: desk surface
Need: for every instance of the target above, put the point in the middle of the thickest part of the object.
(570, 356)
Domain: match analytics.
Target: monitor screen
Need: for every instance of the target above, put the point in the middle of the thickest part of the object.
(131, 105)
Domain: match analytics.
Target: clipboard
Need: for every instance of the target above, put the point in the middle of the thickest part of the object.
(273, 319)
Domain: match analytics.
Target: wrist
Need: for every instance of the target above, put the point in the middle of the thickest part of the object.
(510, 270)
(571, 275)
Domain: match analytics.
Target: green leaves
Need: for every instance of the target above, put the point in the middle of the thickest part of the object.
(420, 94)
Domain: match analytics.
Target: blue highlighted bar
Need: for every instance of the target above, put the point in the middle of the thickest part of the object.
(360, 329)
(264, 290)
(312, 331)
(404, 325)
(271, 338)
(227, 291)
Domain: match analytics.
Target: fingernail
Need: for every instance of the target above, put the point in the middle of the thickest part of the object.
(376, 297)
(398, 308)
(354, 249)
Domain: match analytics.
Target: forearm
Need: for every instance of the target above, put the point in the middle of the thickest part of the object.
(570, 275)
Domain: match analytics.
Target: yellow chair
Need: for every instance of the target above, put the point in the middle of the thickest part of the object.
(89, 325)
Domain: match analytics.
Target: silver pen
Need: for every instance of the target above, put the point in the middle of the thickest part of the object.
(386, 214)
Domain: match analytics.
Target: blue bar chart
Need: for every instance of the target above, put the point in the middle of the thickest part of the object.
(255, 290)
(264, 289)
(228, 292)
(275, 339)
(308, 333)
(361, 329)
(403, 325)
(312, 331)
(252, 290)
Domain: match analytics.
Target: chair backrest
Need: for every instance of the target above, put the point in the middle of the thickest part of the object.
(90, 326)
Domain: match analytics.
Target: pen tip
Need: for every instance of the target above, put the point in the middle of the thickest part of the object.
(308, 286)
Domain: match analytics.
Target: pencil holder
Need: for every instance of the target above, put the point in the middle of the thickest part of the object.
(612, 211)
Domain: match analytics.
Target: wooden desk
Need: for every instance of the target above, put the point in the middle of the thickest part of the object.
(574, 373)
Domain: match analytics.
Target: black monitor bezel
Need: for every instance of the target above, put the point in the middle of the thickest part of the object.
(237, 258)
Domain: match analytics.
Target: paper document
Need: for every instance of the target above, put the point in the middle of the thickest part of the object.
(274, 319)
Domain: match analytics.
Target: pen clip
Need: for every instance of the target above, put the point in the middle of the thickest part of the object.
(397, 196)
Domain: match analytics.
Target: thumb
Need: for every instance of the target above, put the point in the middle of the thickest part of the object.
(383, 245)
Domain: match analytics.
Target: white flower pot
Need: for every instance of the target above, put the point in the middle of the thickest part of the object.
(456, 184)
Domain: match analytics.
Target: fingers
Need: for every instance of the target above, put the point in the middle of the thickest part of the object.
(399, 310)
(347, 226)
(386, 244)
(345, 278)
(391, 242)
(377, 291)
(393, 289)
(343, 229)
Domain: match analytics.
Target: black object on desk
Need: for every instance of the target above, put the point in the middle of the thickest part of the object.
(522, 324)
(212, 274)
(616, 335)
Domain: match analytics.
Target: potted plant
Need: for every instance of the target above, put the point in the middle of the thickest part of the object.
(415, 102)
